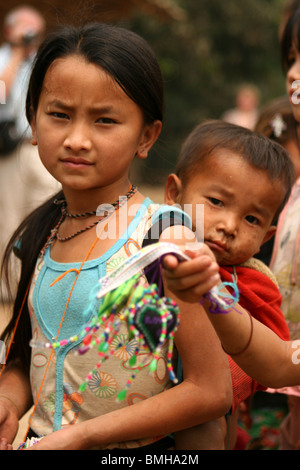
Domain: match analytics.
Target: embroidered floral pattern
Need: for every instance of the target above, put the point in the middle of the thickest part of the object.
(49, 403)
(103, 385)
(123, 349)
(114, 263)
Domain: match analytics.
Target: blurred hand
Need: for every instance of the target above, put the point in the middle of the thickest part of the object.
(9, 424)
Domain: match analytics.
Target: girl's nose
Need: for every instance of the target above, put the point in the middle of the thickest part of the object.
(78, 138)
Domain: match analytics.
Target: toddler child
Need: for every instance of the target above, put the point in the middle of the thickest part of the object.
(243, 179)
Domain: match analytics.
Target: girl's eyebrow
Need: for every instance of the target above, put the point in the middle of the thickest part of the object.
(94, 109)
(59, 104)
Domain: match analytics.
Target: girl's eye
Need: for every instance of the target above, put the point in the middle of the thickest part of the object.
(252, 219)
(105, 120)
(59, 115)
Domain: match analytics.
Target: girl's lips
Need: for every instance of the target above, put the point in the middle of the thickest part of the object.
(76, 162)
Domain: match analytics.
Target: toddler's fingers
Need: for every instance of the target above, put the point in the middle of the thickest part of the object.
(192, 279)
(193, 292)
(170, 262)
(182, 270)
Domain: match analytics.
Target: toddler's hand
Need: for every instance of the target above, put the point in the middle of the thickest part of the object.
(190, 280)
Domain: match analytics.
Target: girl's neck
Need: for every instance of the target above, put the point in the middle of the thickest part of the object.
(79, 202)
(75, 249)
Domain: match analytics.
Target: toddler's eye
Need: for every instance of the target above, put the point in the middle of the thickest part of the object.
(252, 219)
(215, 201)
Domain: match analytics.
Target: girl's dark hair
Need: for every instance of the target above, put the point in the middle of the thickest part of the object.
(290, 36)
(129, 60)
(258, 150)
(26, 243)
(121, 53)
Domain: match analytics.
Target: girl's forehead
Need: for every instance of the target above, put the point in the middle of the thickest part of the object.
(74, 83)
(76, 64)
(67, 71)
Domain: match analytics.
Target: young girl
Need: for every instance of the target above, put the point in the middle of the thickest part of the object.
(277, 122)
(95, 103)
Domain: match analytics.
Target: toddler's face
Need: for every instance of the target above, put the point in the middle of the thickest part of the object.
(239, 201)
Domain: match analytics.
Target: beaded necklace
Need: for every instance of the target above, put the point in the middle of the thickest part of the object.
(54, 235)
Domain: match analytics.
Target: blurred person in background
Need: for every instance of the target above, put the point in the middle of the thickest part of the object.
(246, 110)
(24, 182)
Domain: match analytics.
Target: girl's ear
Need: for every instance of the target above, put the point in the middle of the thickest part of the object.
(33, 130)
(150, 135)
(173, 190)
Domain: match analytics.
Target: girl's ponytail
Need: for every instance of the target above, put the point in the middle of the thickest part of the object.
(26, 243)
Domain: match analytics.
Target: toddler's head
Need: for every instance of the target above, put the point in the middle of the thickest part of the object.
(243, 180)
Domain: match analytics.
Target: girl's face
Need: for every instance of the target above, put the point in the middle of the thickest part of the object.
(293, 81)
(239, 204)
(87, 129)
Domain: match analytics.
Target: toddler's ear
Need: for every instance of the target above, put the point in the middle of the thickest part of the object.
(173, 190)
(270, 233)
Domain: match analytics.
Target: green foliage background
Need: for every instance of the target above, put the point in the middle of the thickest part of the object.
(204, 57)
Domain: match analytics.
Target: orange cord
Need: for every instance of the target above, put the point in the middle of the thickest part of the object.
(59, 328)
(63, 275)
